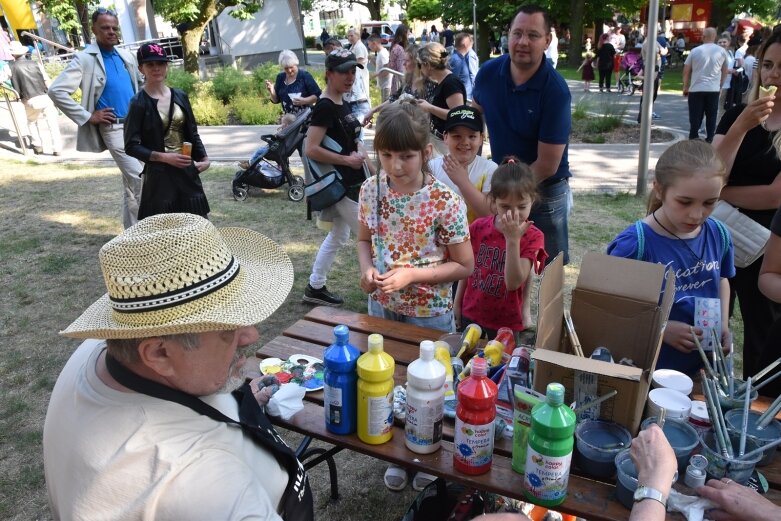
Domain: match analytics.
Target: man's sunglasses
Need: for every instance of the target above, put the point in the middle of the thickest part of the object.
(101, 11)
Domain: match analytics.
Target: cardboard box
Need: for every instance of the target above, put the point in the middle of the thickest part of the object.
(618, 303)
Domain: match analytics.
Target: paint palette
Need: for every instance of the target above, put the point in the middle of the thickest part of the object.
(303, 370)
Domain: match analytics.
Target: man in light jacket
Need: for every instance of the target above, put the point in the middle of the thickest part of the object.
(108, 78)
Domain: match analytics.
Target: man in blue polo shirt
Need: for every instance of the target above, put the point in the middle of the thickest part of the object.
(526, 106)
(108, 77)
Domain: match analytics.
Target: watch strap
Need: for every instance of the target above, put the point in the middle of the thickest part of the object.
(644, 492)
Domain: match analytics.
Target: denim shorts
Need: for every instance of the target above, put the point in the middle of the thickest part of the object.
(444, 322)
(550, 215)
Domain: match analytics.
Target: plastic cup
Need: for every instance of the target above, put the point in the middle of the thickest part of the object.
(627, 479)
(719, 466)
(772, 432)
(598, 442)
(682, 437)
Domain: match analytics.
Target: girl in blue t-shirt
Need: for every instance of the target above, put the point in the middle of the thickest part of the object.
(678, 233)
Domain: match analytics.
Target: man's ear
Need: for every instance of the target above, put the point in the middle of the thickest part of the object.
(155, 354)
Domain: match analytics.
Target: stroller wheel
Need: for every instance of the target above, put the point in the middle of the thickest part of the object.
(298, 180)
(295, 193)
(240, 194)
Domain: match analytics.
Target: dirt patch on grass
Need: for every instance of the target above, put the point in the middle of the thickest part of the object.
(583, 132)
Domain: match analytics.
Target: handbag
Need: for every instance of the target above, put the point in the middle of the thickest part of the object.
(749, 238)
(327, 188)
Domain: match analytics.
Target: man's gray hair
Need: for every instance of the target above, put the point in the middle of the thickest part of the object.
(287, 58)
(125, 350)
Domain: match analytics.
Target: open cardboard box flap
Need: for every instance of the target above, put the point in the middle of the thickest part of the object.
(622, 304)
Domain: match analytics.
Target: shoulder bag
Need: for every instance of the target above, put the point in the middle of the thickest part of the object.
(749, 238)
(326, 188)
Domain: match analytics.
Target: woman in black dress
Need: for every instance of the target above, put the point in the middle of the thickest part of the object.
(605, 54)
(159, 122)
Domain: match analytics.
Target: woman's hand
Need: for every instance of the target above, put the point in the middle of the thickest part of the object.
(425, 105)
(369, 280)
(176, 159)
(755, 113)
(354, 160)
(203, 165)
(654, 459)
(678, 336)
(270, 87)
(395, 280)
(736, 502)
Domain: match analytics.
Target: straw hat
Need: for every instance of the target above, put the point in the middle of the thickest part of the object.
(176, 273)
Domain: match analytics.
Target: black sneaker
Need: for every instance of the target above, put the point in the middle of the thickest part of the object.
(321, 296)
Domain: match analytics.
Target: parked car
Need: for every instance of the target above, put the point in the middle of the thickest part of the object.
(386, 30)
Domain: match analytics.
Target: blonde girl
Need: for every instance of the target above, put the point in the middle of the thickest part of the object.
(413, 238)
(678, 233)
(507, 247)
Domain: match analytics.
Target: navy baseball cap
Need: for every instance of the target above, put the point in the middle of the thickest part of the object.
(464, 116)
(341, 60)
(151, 52)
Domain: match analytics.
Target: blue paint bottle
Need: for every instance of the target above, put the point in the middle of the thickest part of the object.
(340, 383)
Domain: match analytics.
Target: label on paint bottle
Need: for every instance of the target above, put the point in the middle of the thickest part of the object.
(380, 414)
(332, 400)
(474, 443)
(546, 476)
(424, 421)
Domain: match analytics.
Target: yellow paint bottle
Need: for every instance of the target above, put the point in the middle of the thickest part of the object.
(375, 393)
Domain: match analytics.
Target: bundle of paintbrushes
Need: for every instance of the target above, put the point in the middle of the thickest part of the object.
(718, 380)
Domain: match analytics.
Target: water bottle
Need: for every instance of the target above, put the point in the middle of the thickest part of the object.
(549, 453)
(475, 413)
(340, 383)
(375, 393)
(425, 401)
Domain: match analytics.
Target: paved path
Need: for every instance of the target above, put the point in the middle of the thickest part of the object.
(610, 168)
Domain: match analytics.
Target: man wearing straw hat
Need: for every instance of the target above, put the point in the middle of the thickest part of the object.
(142, 423)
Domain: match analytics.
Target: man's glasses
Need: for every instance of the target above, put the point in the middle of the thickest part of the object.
(101, 11)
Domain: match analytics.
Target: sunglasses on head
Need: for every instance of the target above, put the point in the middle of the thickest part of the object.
(100, 11)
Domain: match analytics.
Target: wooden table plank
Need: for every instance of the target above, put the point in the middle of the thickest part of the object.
(590, 499)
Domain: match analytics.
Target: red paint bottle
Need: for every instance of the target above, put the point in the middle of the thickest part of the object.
(475, 413)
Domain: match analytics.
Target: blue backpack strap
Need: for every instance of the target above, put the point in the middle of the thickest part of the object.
(724, 233)
(640, 239)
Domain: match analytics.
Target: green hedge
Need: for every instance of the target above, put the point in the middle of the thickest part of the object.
(250, 110)
(180, 79)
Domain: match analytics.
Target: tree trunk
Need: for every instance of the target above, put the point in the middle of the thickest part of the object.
(483, 48)
(191, 42)
(576, 33)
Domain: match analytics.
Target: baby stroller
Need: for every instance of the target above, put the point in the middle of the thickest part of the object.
(272, 169)
(631, 73)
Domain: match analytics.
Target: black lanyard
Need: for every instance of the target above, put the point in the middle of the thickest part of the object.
(297, 500)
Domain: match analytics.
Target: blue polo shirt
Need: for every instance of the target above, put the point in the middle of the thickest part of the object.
(519, 116)
(119, 86)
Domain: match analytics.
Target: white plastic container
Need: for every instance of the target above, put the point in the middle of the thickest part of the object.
(672, 379)
(676, 404)
(699, 418)
(425, 401)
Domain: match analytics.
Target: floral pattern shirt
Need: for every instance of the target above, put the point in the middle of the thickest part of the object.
(414, 231)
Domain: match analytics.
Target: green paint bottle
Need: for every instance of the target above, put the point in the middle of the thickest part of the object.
(549, 452)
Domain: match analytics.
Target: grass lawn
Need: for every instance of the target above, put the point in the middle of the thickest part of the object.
(53, 220)
(672, 81)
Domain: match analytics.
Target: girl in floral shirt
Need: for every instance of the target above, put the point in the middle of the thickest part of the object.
(413, 240)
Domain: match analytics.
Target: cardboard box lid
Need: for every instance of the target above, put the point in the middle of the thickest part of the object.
(550, 305)
(637, 280)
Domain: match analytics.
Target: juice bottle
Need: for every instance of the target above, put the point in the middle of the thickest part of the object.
(425, 401)
(475, 413)
(549, 452)
(375, 393)
(340, 378)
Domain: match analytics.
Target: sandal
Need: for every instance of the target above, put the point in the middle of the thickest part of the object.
(395, 478)
(422, 480)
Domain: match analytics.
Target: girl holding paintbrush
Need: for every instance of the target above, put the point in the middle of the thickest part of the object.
(678, 233)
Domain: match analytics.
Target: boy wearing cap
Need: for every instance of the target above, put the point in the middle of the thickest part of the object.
(465, 172)
(141, 422)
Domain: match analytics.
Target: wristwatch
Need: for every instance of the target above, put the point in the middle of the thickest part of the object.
(650, 493)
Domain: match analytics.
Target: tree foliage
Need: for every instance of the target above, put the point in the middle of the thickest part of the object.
(424, 10)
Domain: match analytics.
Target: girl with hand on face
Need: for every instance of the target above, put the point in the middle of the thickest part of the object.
(493, 295)
(678, 234)
(159, 120)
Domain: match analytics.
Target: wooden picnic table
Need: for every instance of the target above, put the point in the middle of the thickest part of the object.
(587, 498)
